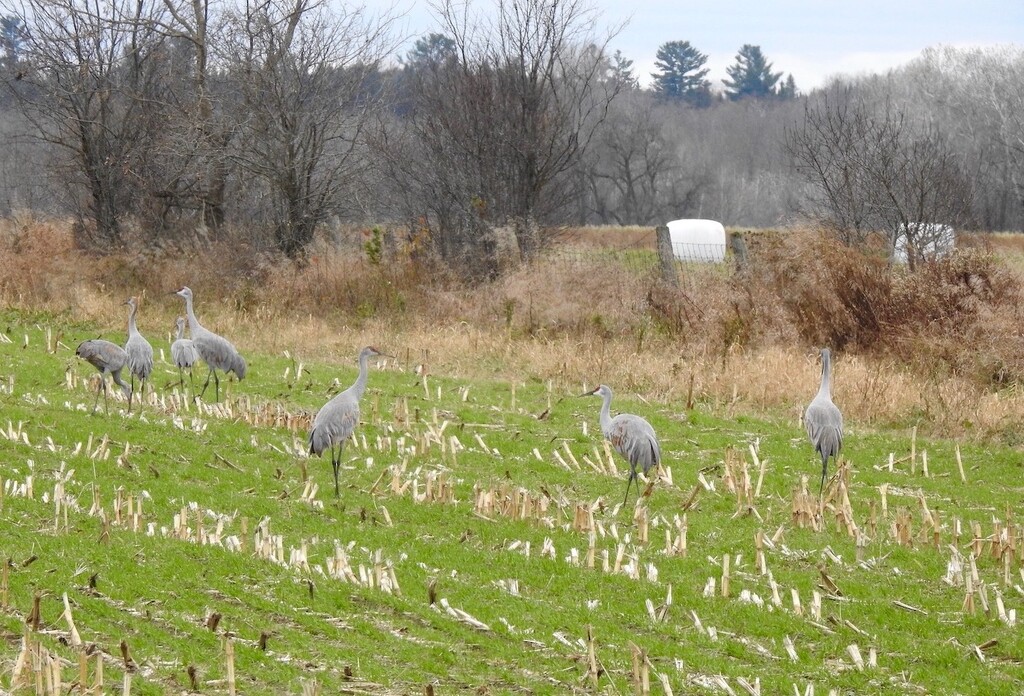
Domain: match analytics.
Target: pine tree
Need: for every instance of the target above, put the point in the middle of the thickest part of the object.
(12, 33)
(432, 48)
(621, 69)
(788, 90)
(681, 73)
(751, 75)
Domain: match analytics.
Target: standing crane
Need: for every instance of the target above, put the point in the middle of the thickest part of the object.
(109, 358)
(183, 353)
(337, 419)
(630, 435)
(216, 351)
(824, 421)
(140, 353)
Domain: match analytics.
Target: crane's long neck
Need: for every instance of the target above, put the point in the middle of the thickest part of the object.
(826, 374)
(193, 323)
(364, 370)
(606, 407)
(181, 331)
(132, 328)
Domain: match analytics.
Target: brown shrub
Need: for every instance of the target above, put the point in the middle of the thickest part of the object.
(39, 265)
(829, 294)
(849, 297)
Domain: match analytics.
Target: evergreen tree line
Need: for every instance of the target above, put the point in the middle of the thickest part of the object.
(682, 75)
(152, 121)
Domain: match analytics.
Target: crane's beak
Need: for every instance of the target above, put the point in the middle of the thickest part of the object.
(591, 392)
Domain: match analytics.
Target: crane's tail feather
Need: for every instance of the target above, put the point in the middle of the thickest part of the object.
(316, 442)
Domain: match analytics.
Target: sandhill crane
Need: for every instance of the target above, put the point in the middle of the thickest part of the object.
(823, 420)
(630, 435)
(140, 353)
(216, 351)
(109, 358)
(337, 419)
(183, 353)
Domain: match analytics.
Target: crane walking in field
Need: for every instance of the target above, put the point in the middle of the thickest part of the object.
(183, 354)
(109, 358)
(216, 351)
(824, 421)
(140, 353)
(337, 419)
(630, 435)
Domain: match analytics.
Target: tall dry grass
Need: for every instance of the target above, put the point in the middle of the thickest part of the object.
(941, 348)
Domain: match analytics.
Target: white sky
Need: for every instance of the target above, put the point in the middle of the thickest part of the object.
(812, 39)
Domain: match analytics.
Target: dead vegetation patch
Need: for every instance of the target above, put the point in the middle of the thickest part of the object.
(940, 346)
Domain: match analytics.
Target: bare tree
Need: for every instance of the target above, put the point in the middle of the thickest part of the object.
(193, 146)
(631, 167)
(86, 66)
(872, 170)
(978, 94)
(728, 164)
(300, 70)
(921, 189)
(496, 123)
(1005, 95)
(830, 149)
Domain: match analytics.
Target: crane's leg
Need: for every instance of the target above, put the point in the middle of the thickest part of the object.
(824, 471)
(191, 381)
(131, 393)
(116, 375)
(216, 387)
(632, 476)
(336, 465)
(206, 383)
(101, 388)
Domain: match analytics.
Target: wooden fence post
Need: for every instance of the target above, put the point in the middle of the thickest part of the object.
(739, 250)
(666, 257)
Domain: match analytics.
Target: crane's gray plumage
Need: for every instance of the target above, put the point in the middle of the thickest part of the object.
(630, 435)
(109, 358)
(337, 419)
(183, 352)
(823, 420)
(216, 351)
(140, 353)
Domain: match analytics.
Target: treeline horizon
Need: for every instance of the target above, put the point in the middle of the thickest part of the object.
(154, 122)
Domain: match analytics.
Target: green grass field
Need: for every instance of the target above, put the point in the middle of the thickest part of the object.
(459, 556)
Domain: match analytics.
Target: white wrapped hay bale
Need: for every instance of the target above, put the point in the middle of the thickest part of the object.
(927, 240)
(697, 240)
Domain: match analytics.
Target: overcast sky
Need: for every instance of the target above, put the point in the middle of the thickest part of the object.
(812, 39)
